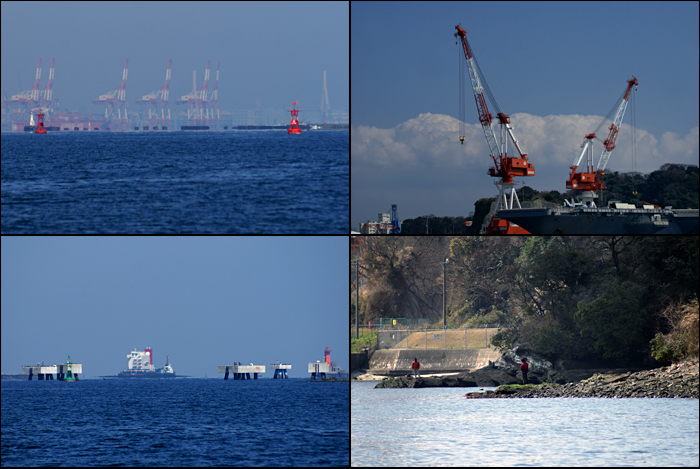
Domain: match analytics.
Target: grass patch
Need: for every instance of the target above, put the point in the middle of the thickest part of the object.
(516, 387)
(366, 340)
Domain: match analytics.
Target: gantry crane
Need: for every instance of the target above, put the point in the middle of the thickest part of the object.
(116, 99)
(159, 98)
(505, 167)
(590, 181)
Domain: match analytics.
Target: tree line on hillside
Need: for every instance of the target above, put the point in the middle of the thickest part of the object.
(674, 185)
(617, 298)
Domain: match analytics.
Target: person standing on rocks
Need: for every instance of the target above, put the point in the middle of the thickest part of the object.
(415, 366)
(523, 369)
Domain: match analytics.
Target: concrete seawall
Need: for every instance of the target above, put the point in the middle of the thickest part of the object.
(358, 361)
(398, 362)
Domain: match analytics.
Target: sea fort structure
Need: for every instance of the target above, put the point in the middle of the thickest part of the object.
(327, 369)
(43, 372)
(280, 370)
(241, 371)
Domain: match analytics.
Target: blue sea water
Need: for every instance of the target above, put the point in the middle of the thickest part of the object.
(175, 422)
(177, 182)
(439, 427)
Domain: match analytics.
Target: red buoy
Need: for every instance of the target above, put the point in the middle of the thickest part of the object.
(40, 125)
(294, 126)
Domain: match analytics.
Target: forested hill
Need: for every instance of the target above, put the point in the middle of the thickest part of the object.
(571, 298)
(672, 185)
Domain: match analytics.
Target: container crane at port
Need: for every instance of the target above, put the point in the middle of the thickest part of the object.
(213, 102)
(505, 167)
(116, 99)
(159, 100)
(47, 93)
(590, 181)
(197, 100)
(30, 96)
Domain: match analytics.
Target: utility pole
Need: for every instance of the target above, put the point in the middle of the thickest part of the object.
(444, 311)
(357, 299)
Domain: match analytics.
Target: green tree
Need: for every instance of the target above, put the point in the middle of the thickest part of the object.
(617, 321)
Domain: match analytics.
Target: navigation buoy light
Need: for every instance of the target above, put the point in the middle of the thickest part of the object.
(40, 126)
(294, 126)
(70, 377)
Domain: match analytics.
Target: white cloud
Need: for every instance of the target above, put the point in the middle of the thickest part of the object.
(433, 139)
(421, 162)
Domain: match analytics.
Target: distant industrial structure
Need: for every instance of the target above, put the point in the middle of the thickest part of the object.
(326, 369)
(386, 223)
(241, 371)
(64, 372)
(154, 114)
(158, 100)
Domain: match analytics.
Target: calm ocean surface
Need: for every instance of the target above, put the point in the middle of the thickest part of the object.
(438, 427)
(178, 182)
(178, 422)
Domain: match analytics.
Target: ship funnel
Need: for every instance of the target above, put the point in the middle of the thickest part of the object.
(149, 351)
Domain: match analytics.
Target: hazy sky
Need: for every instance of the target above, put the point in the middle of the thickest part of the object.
(556, 68)
(277, 51)
(204, 301)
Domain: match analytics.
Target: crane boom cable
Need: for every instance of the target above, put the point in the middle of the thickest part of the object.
(462, 111)
(612, 111)
(482, 78)
(634, 131)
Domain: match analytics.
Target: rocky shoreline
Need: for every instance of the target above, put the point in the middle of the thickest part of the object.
(679, 380)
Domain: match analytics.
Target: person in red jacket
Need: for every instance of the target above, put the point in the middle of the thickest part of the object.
(415, 366)
(523, 368)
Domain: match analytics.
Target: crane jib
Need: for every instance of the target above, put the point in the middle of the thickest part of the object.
(591, 180)
(508, 166)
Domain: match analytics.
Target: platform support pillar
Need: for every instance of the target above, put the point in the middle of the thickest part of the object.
(226, 375)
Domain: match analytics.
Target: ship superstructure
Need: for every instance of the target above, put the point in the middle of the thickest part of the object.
(140, 365)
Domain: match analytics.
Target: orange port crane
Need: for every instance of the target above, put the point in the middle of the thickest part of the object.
(505, 167)
(589, 181)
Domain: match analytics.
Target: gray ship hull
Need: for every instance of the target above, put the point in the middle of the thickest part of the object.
(589, 221)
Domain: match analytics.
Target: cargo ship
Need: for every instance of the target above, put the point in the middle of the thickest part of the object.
(616, 218)
(141, 366)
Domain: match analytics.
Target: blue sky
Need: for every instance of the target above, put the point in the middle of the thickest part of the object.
(204, 301)
(277, 51)
(555, 68)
